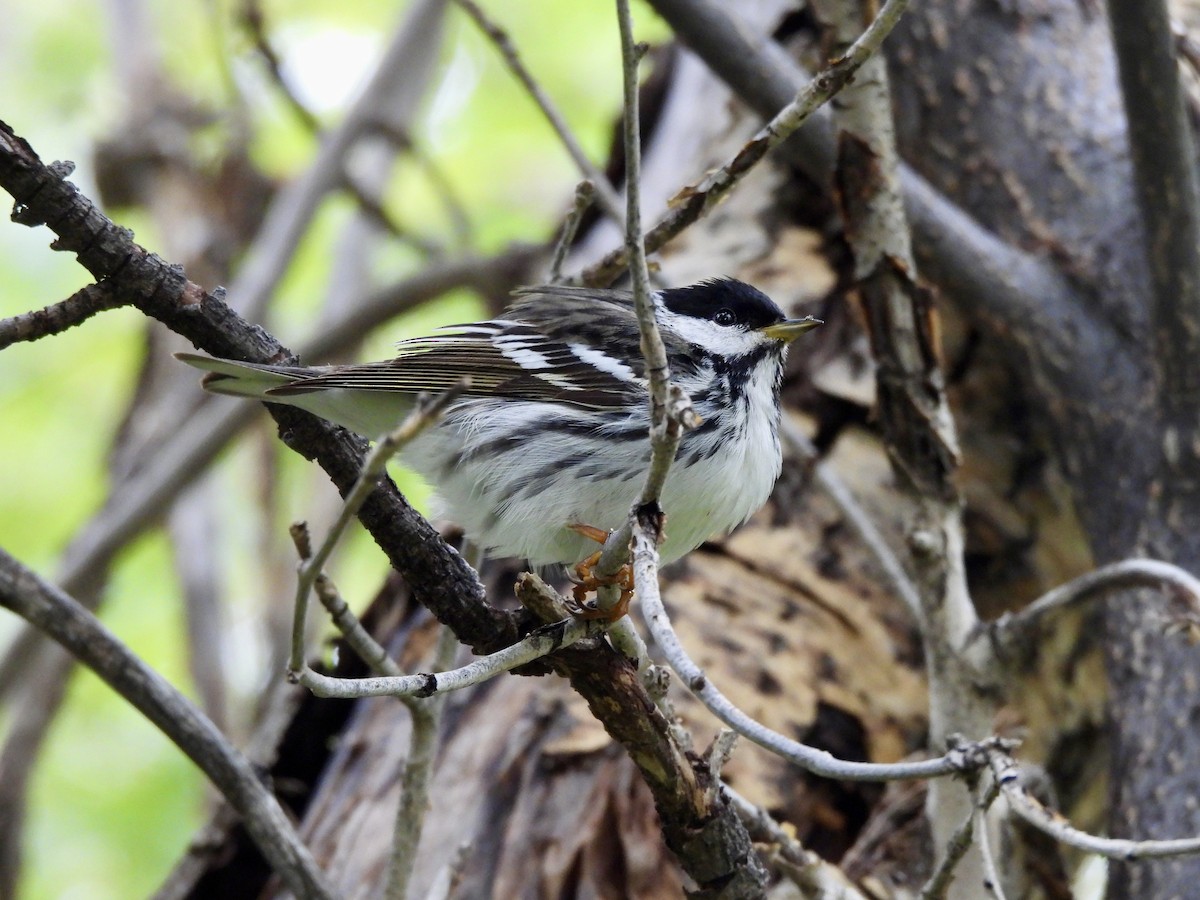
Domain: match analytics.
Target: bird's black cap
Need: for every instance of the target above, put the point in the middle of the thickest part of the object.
(750, 307)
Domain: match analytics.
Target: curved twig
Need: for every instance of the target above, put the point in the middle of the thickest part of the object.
(819, 762)
(373, 469)
(541, 642)
(1011, 631)
(1030, 810)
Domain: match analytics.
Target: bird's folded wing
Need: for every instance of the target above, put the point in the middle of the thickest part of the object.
(501, 358)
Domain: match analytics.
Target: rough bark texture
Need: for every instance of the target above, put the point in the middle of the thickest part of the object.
(1013, 112)
(1016, 115)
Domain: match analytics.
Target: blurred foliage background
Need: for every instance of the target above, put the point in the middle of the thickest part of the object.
(113, 804)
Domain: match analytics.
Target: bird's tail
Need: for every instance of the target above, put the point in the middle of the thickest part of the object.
(241, 379)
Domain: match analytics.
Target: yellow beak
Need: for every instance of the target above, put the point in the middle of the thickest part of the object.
(790, 329)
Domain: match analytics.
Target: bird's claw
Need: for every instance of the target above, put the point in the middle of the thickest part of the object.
(586, 581)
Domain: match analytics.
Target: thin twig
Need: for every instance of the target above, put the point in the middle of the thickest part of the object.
(414, 785)
(1031, 811)
(58, 317)
(819, 762)
(814, 876)
(856, 517)
(78, 631)
(1163, 150)
(439, 181)
(1010, 632)
(584, 193)
(252, 16)
(422, 417)
(136, 503)
(373, 209)
(670, 407)
(695, 200)
(357, 637)
(992, 882)
(541, 642)
(956, 848)
(607, 198)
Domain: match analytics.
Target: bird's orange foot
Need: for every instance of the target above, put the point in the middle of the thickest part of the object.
(587, 581)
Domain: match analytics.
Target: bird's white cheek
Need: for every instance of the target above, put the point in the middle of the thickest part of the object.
(712, 337)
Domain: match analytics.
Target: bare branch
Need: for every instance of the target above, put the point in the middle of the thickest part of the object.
(916, 421)
(137, 502)
(992, 882)
(608, 199)
(819, 762)
(1025, 292)
(418, 770)
(694, 201)
(1008, 634)
(356, 636)
(584, 191)
(814, 876)
(670, 408)
(374, 467)
(77, 630)
(1164, 165)
(437, 573)
(1030, 810)
(543, 641)
(252, 17)
(58, 317)
(960, 842)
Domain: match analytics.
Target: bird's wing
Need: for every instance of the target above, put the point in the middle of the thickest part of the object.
(502, 358)
(604, 320)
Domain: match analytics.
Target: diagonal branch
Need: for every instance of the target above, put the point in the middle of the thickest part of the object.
(1030, 810)
(608, 199)
(440, 579)
(694, 201)
(42, 604)
(58, 317)
(1012, 633)
(1026, 294)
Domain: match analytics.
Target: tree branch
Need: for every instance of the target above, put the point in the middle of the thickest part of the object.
(438, 575)
(1164, 165)
(58, 317)
(1030, 298)
(608, 199)
(694, 201)
(1030, 810)
(73, 627)
(1012, 633)
(440, 579)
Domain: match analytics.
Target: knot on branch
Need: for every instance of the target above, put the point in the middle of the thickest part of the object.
(971, 756)
(651, 519)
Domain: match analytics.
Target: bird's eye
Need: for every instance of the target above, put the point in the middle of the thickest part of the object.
(724, 317)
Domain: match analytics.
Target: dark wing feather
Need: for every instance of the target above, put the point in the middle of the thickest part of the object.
(604, 319)
(502, 358)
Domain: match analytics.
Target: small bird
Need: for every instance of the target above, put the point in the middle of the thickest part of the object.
(550, 439)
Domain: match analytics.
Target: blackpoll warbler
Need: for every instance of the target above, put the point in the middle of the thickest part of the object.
(553, 429)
